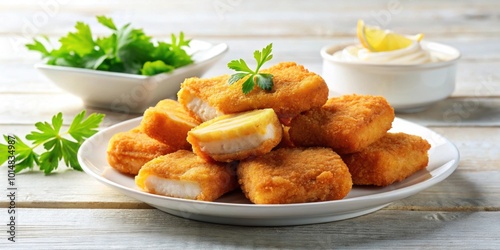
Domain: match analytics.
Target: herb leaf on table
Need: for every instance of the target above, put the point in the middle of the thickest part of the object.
(57, 146)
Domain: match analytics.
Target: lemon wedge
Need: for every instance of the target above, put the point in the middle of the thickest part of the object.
(232, 126)
(376, 39)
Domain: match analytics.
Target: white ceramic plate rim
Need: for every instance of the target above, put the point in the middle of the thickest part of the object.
(284, 214)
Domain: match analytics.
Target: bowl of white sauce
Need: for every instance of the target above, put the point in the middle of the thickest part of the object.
(411, 79)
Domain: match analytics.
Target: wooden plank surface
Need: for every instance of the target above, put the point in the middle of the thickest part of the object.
(153, 229)
(288, 18)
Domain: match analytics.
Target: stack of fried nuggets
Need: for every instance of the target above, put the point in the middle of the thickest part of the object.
(289, 145)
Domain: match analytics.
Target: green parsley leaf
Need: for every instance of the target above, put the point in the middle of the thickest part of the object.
(56, 146)
(125, 50)
(133, 48)
(81, 42)
(263, 56)
(180, 42)
(47, 130)
(156, 67)
(49, 160)
(175, 55)
(26, 158)
(94, 62)
(239, 65)
(69, 150)
(107, 45)
(81, 129)
(37, 45)
(106, 21)
(4, 148)
(236, 77)
(262, 80)
(248, 85)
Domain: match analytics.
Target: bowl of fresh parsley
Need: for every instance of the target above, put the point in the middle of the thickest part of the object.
(126, 71)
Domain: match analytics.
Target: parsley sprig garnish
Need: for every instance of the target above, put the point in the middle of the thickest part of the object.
(125, 50)
(263, 80)
(57, 145)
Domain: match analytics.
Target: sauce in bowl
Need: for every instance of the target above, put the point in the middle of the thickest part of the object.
(416, 53)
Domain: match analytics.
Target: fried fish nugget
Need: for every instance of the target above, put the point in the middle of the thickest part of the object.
(294, 175)
(295, 90)
(169, 123)
(286, 142)
(393, 158)
(347, 123)
(182, 174)
(128, 151)
(237, 136)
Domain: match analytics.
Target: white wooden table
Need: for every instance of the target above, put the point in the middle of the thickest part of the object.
(71, 210)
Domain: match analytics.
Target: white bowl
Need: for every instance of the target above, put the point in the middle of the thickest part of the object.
(131, 93)
(408, 88)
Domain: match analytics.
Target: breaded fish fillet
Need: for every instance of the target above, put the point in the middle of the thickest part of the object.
(295, 90)
(286, 142)
(128, 151)
(392, 158)
(294, 175)
(236, 136)
(182, 174)
(347, 124)
(169, 123)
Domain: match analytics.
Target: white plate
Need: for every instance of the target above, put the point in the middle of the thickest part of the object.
(235, 209)
(130, 93)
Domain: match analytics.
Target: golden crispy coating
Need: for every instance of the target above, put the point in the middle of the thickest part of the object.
(294, 175)
(295, 90)
(347, 124)
(182, 174)
(392, 158)
(236, 136)
(169, 123)
(128, 151)
(286, 141)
